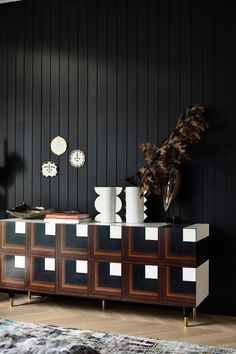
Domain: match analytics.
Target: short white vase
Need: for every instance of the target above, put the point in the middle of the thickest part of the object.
(108, 204)
(135, 208)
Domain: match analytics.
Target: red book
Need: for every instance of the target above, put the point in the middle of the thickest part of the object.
(67, 216)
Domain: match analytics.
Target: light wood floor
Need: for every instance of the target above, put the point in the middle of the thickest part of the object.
(124, 318)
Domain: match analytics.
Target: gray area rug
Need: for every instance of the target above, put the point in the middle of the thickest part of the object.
(27, 338)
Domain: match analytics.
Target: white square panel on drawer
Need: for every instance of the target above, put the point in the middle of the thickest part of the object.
(82, 230)
(82, 267)
(115, 232)
(189, 274)
(151, 272)
(195, 233)
(50, 228)
(19, 262)
(115, 269)
(20, 227)
(151, 233)
(49, 264)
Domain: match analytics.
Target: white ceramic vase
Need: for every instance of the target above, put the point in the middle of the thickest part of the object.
(108, 204)
(135, 208)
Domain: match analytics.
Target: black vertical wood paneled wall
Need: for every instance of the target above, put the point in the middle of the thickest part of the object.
(110, 74)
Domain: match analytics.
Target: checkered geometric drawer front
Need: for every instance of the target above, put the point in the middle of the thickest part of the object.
(13, 271)
(13, 235)
(174, 246)
(73, 276)
(181, 245)
(76, 272)
(42, 273)
(143, 281)
(142, 243)
(107, 240)
(42, 237)
(73, 240)
(179, 284)
(106, 278)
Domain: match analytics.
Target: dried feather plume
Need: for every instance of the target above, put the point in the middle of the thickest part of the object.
(172, 151)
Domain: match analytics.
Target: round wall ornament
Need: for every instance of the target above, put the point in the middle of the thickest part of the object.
(77, 158)
(49, 169)
(58, 145)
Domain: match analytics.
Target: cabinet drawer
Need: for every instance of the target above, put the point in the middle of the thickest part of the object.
(13, 273)
(72, 277)
(141, 244)
(178, 285)
(106, 279)
(105, 242)
(13, 236)
(72, 241)
(41, 238)
(174, 250)
(42, 274)
(141, 282)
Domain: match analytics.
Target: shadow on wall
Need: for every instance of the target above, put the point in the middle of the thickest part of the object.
(13, 165)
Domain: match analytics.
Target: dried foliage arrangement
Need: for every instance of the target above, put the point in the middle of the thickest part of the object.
(169, 155)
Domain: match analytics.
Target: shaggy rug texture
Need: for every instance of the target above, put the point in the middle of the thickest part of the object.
(27, 338)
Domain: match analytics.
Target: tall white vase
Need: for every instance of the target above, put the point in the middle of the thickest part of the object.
(135, 208)
(108, 204)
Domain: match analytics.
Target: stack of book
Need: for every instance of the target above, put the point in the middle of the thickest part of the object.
(67, 218)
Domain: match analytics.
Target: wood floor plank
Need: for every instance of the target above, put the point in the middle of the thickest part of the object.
(124, 318)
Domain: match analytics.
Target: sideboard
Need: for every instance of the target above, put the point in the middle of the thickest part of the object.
(153, 263)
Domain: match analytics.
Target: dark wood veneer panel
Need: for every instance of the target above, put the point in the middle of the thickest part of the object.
(168, 296)
(137, 249)
(96, 252)
(105, 291)
(74, 286)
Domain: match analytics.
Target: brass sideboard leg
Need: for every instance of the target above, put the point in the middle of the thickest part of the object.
(103, 305)
(194, 313)
(29, 295)
(186, 316)
(185, 321)
(11, 299)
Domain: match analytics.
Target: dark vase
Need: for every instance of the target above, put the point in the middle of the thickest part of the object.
(172, 186)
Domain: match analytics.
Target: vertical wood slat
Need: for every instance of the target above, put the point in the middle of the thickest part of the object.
(121, 91)
(11, 105)
(174, 92)
(111, 94)
(54, 94)
(28, 101)
(102, 95)
(153, 64)
(185, 94)
(45, 138)
(163, 70)
(19, 89)
(231, 111)
(230, 146)
(82, 198)
(37, 104)
(197, 96)
(220, 98)
(142, 76)
(3, 113)
(73, 102)
(92, 100)
(208, 97)
(64, 101)
(132, 38)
